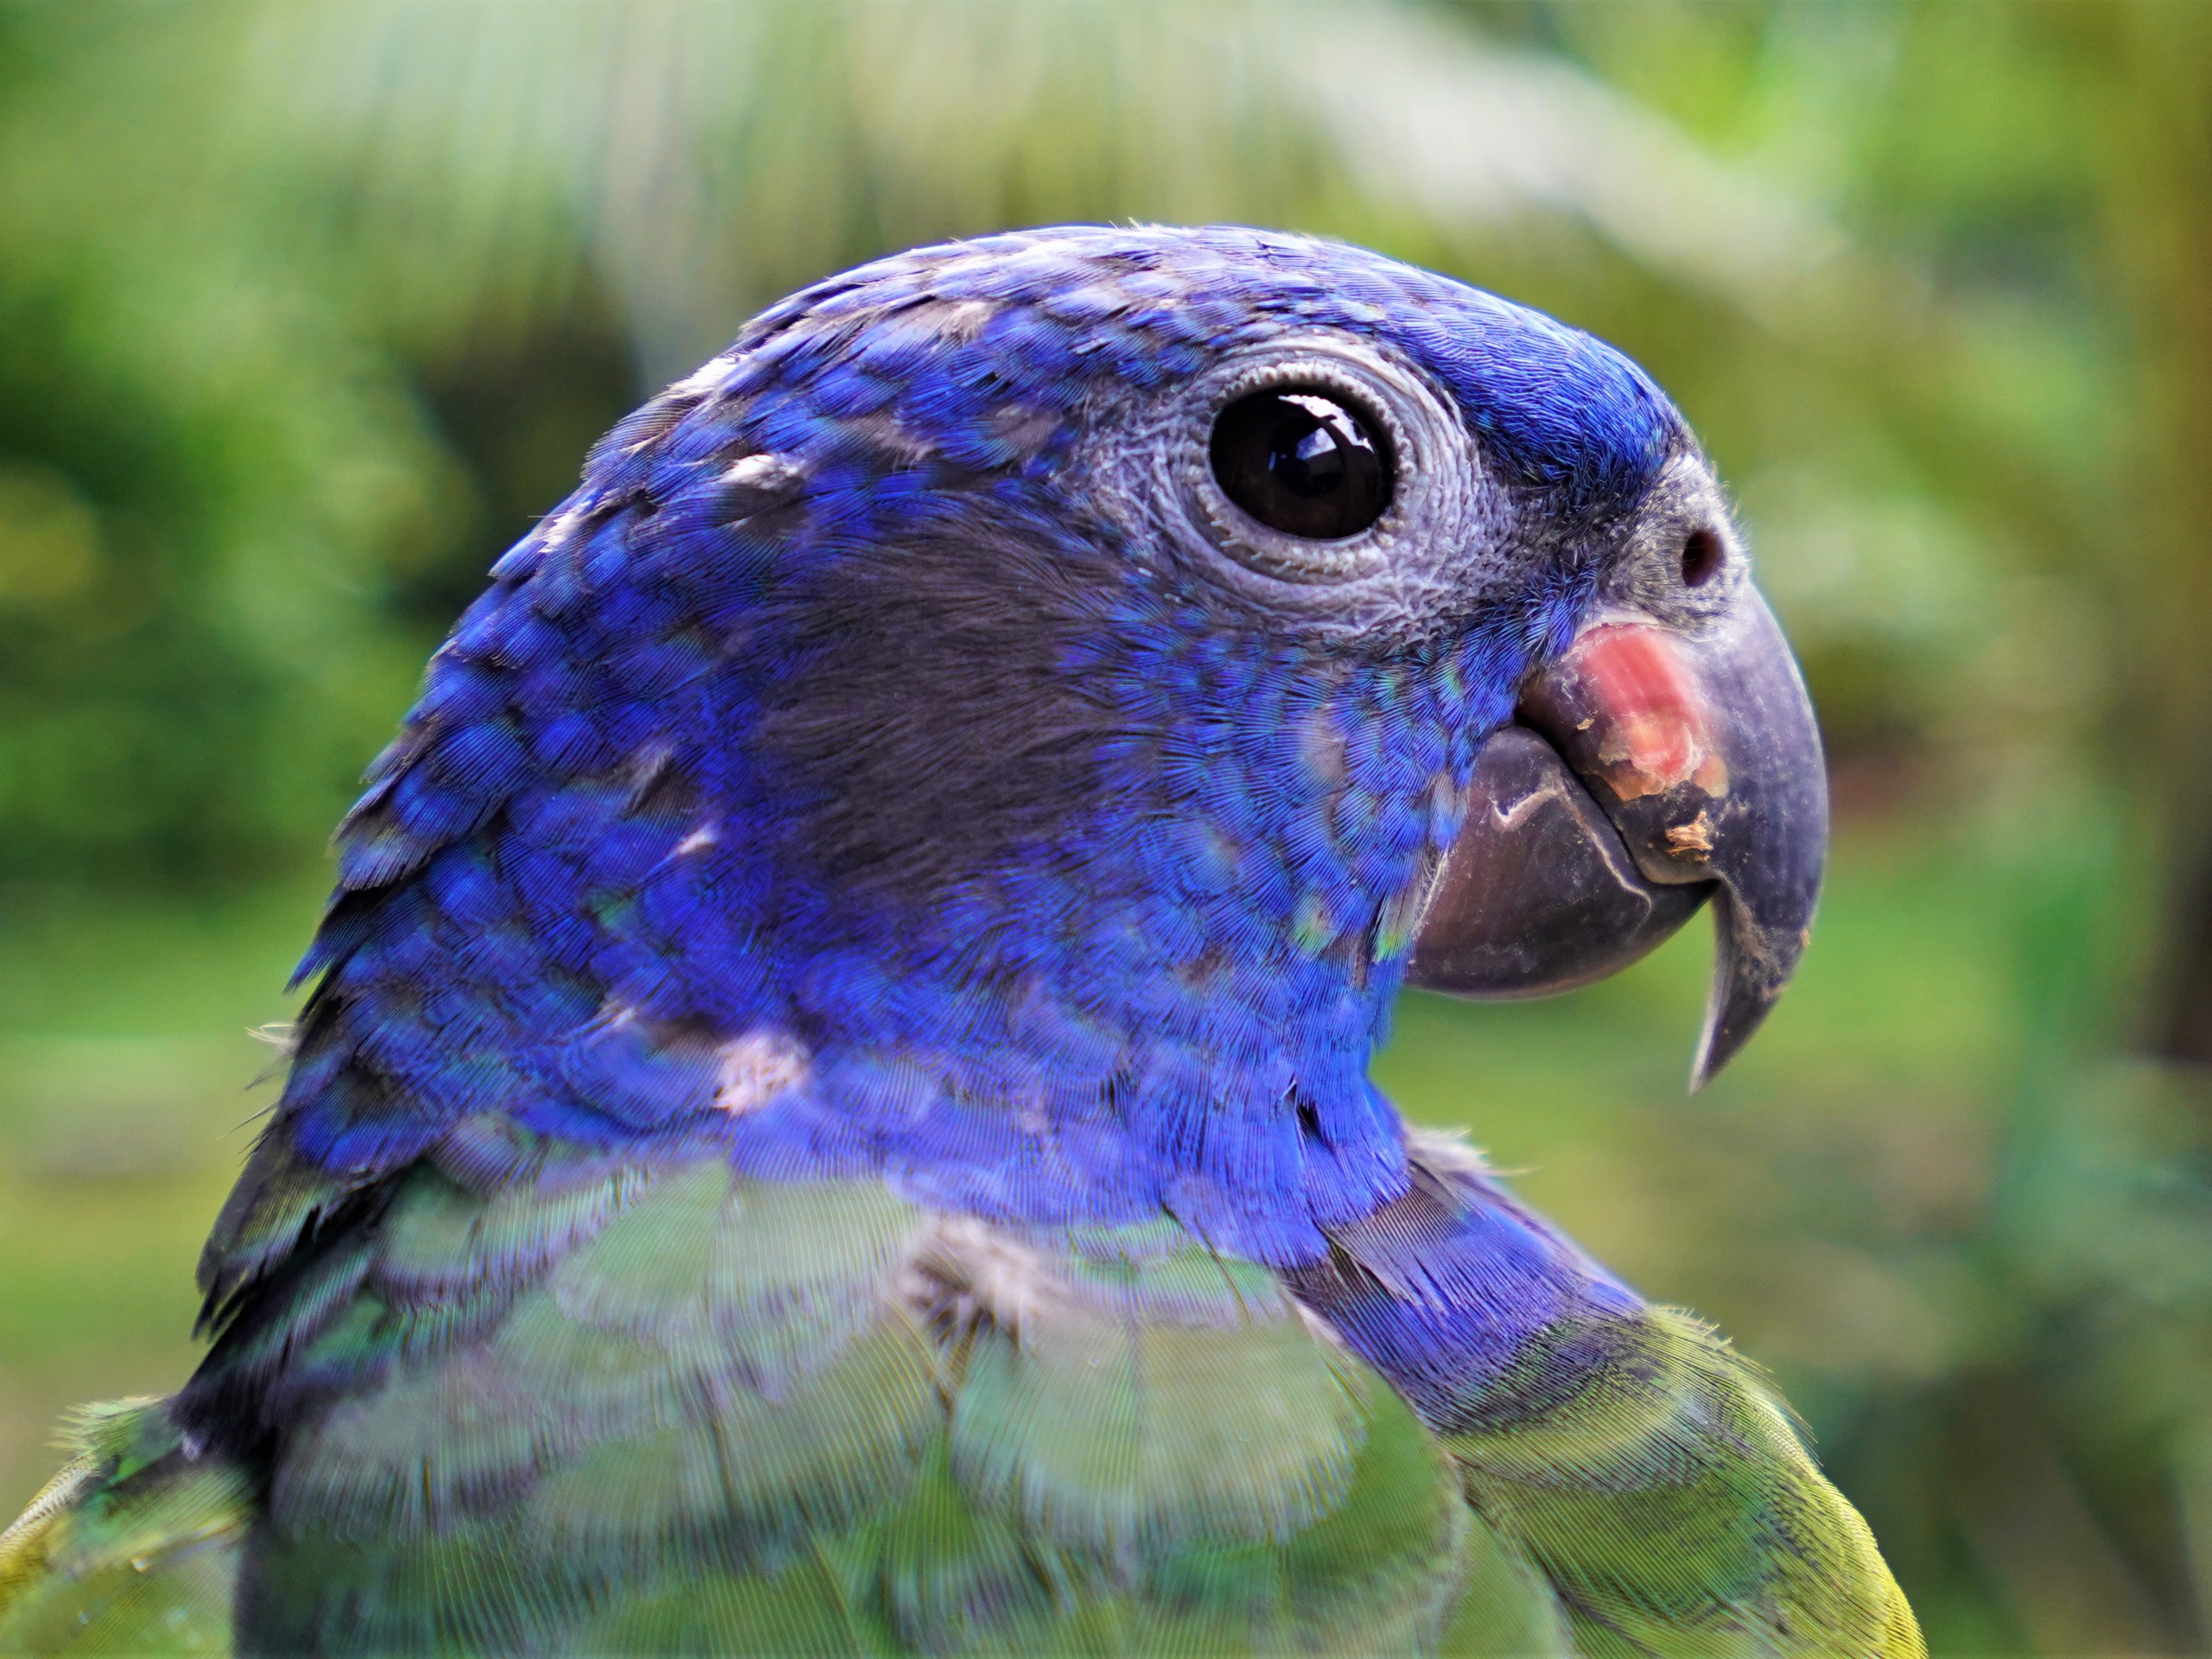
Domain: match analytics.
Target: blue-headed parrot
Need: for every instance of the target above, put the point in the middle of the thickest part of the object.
(833, 1115)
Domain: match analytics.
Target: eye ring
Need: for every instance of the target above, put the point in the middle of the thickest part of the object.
(1428, 463)
(1305, 461)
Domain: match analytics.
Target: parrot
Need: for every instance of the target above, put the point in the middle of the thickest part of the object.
(832, 1113)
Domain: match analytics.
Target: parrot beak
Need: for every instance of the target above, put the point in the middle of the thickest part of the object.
(1650, 768)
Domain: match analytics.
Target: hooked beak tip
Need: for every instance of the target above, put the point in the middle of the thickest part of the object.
(1751, 968)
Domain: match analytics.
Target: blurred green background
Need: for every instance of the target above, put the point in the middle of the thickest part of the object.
(306, 311)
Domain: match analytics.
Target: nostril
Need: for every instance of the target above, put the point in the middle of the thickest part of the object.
(1702, 557)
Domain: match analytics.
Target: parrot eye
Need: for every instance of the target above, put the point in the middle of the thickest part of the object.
(1314, 460)
(1300, 461)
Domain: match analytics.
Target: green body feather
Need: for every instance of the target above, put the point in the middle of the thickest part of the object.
(681, 1411)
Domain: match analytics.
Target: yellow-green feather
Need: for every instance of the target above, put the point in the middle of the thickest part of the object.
(1666, 1497)
(132, 1549)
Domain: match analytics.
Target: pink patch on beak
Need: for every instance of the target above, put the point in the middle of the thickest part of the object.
(1643, 712)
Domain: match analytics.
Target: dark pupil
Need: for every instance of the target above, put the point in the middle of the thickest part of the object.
(1302, 463)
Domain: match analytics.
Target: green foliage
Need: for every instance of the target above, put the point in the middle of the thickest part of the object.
(308, 309)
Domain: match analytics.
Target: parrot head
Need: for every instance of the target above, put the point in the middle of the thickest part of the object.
(1016, 719)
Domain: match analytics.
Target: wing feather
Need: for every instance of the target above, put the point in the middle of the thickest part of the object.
(133, 1547)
